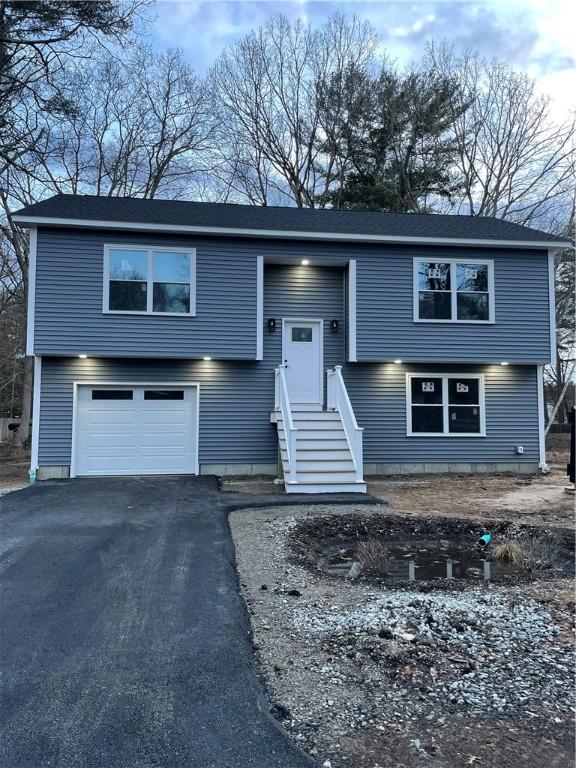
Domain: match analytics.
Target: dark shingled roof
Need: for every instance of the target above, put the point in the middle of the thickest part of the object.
(184, 213)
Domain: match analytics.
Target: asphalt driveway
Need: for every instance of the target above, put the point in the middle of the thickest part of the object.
(123, 639)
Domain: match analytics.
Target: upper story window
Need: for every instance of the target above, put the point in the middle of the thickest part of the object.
(149, 280)
(454, 291)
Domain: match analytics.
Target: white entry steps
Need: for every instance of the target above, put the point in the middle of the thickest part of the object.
(321, 451)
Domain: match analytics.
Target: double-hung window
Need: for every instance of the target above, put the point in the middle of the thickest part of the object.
(454, 291)
(445, 404)
(149, 280)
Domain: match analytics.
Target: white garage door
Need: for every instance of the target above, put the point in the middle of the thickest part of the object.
(136, 430)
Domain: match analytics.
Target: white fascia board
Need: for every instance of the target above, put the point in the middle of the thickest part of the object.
(31, 310)
(284, 234)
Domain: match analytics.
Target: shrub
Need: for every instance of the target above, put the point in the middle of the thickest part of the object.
(509, 551)
(535, 551)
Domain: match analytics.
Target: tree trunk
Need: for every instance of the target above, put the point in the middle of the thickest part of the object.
(23, 432)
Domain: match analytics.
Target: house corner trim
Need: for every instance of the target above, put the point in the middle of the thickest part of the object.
(31, 309)
(541, 420)
(34, 462)
(260, 308)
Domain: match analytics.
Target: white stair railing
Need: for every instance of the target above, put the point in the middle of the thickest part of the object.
(282, 404)
(338, 400)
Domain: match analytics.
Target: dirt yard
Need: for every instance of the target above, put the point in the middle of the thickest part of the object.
(14, 465)
(368, 674)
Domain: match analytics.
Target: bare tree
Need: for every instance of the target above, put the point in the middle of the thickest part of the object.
(13, 296)
(139, 128)
(267, 90)
(36, 38)
(560, 382)
(517, 162)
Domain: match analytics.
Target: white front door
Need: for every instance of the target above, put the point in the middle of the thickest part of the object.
(302, 354)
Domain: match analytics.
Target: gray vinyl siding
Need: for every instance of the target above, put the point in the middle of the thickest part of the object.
(69, 318)
(69, 286)
(378, 396)
(236, 399)
(385, 322)
(235, 403)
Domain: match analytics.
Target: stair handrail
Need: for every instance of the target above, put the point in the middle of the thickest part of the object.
(338, 400)
(282, 404)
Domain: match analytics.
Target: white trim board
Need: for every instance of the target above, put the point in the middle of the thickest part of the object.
(31, 307)
(37, 397)
(445, 404)
(159, 384)
(285, 234)
(259, 307)
(541, 421)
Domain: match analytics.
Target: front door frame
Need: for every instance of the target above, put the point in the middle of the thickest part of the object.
(320, 323)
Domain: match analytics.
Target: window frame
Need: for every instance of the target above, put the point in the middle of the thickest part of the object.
(445, 404)
(453, 290)
(150, 251)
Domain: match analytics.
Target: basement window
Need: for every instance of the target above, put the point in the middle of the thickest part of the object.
(159, 281)
(453, 291)
(445, 405)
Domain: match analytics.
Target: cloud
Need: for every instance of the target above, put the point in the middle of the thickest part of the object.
(528, 34)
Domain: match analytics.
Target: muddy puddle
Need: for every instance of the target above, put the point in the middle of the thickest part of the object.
(413, 561)
(430, 550)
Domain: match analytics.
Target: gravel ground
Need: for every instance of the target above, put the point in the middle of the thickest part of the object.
(371, 677)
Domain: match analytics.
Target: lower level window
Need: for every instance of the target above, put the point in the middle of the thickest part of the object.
(445, 404)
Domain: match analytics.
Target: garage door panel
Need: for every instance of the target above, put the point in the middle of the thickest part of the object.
(94, 442)
(149, 464)
(165, 419)
(107, 417)
(153, 442)
(100, 465)
(135, 436)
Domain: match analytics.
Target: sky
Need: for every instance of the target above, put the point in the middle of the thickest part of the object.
(535, 36)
